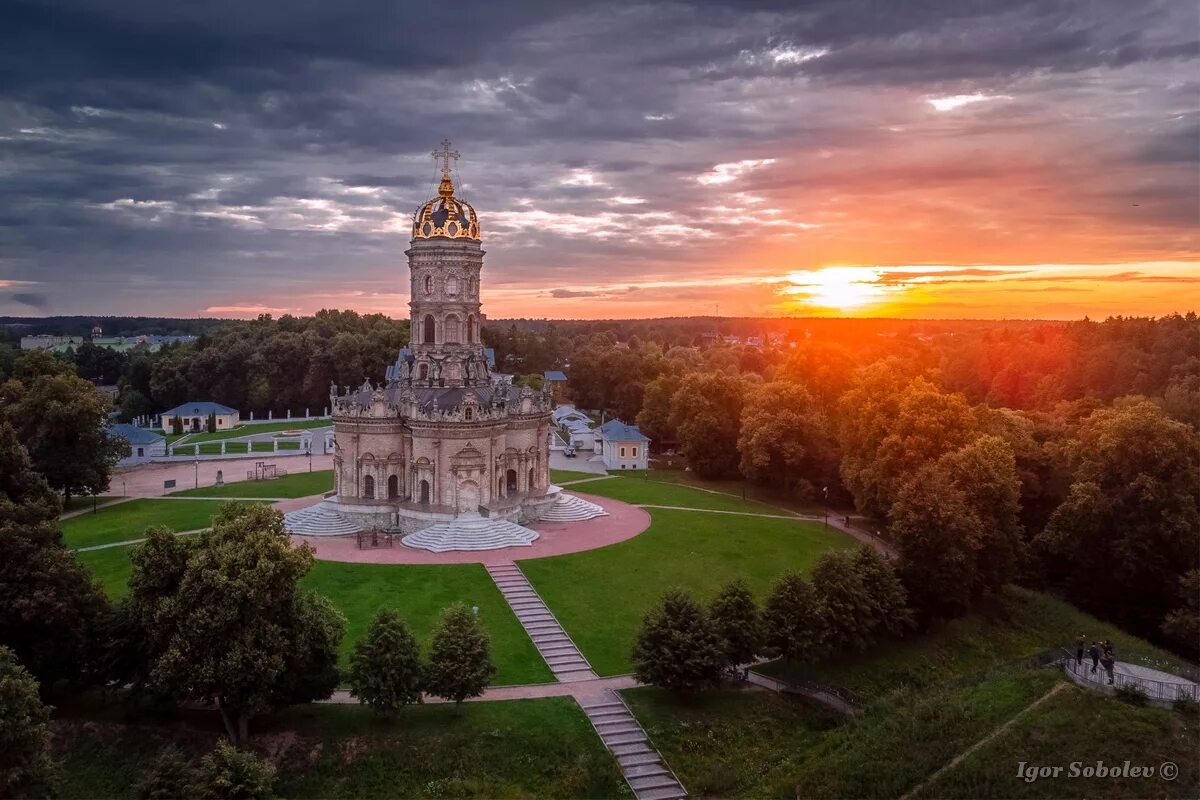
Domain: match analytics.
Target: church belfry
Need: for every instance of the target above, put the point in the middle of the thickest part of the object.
(444, 261)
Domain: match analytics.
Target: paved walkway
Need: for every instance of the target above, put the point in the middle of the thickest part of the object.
(585, 480)
(624, 521)
(827, 698)
(1158, 686)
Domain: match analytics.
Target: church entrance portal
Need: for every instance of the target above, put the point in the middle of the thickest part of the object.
(511, 478)
(468, 497)
(425, 492)
(393, 487)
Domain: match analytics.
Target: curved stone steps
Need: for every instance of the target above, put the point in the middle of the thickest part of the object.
(319, 520)
(569, 508)
(471, 532)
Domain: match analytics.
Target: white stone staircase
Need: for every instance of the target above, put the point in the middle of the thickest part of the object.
(319, 520)
(569, 508)
(551, 641)
(471, 532)
(645, 771)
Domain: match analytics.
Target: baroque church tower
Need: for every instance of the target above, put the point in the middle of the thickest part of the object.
(443, 440)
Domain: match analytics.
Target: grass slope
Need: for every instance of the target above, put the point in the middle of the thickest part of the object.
(1080, 726)
(600, 596)
(530, 748)
(420, 592)
(111, 567)
(297, 484)
(129, 520)
(559, 475)
(1016, 625)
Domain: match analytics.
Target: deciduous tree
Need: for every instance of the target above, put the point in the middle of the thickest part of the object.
(784, 439)
(736, 619)
(794, 619)
(706, 414)
(26, 769)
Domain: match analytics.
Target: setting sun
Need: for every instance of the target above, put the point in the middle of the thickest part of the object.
(842, 288)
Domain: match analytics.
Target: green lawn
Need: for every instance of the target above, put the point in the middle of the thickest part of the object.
(1019, 624)
(111, 567)
(641, 491)
(1080, 726)
(129, 520)
(600, 596)
(297, 484)
(420, 592)
(250, 429)
(744, 744)
(528, 748)
(559, 475)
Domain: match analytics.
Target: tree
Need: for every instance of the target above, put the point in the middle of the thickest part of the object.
(49, 604)
(1130, 527)
(654, 418)
(210, 424)
(1182, 626)
(385, 667)
(678, 647)
(177, 426)
(228, 773)
(235, 630)
(794, 619)
(62, 422)
(706, 414)
(736, 620)
(26, 769)
(890, 614)
(168, 777)
(939, 537)
(849, 612)
(784, 439)
(460, 663)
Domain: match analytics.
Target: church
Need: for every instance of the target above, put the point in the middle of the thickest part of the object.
(443, 439)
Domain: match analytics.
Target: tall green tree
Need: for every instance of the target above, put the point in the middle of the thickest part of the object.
(1182, 625)
(26, 769)
(460, 661)
(785, 440)
(678, 648)
(385, 667)
(890, 614)
(794, 619)
(49, 604)
(1130, 527)
(236, 630)
(62, 421)
(706, 414)
(737, 620)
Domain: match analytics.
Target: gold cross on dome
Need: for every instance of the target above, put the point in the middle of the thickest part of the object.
(444, 155)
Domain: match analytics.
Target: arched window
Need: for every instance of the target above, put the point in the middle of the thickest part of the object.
(368, 488)
(429, 326)
(450, 330)
(393, 487)
(424, 372)
(452, 286)
(425, 492)
(471, 329)
(511, 481)
(428, 284)
(471, 286)
(468, 414)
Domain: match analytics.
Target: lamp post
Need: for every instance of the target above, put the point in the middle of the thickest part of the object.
(825, 492)
(196, 464)
(308, 452)
(122, 487)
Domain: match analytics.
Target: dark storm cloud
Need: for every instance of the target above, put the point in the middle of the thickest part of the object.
(181, 155)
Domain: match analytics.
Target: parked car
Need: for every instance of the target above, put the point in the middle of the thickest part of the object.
(569, 452)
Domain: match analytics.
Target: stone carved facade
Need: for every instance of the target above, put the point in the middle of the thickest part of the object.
(442, 437)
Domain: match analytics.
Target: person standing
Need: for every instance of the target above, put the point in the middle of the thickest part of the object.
(1094, 652)
(1109, 661)
(1080, 644)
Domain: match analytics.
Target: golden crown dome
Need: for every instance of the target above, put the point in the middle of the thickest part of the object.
(445, 216)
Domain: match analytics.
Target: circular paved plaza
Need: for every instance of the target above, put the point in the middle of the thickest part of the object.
(622, 522)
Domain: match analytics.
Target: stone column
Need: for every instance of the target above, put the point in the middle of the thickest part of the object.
(289, 413)
(271, 414)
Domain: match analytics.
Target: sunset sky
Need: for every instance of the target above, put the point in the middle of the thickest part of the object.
(919, 159)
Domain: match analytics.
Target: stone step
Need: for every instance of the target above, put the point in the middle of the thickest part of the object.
(646, 758)
(606, 705)
(618, 728)
(631, 749)
(603, 716)
(569, 508)
(528, 618)
(575, 675)
(529, 608)
(623, 738)
(467, 533)
(646, 770)
(649, 782)
(665, 793)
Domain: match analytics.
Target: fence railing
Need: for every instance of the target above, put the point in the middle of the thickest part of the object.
(1167, 691)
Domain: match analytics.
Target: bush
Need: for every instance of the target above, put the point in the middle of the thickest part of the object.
(678, 648)
(231, 774)
(25, 766)
(385, 667)
(1131, 695)
(168, 777)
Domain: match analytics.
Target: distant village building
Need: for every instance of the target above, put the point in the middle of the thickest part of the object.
(58, 344)
(623, 446)
(557, 380)
(144, 444)
(44, 341)
(195, 416)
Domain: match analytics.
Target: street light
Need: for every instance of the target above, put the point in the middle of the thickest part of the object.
(308, 452)
(196, 463)
(825, 491)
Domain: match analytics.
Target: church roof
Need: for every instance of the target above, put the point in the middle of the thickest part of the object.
(446, 216)
(134, 434)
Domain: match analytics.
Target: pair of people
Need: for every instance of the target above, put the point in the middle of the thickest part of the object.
(1101, 653)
